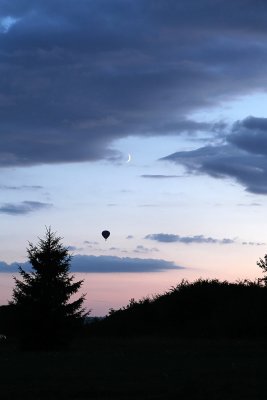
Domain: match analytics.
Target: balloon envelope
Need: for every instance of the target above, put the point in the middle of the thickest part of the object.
(105, 234)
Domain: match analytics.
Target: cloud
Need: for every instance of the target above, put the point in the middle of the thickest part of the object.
(24, 207)
(144, 250)
(11, 268)
(249, 205)
(81, 76)
(102, 264)
(253, 243)
(72, 248)
(171, 238)
(105, 264)
(75, 248)
(22, 187)
(241, 156)
(250, 135)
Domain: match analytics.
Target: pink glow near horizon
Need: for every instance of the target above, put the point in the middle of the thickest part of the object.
(114, 290)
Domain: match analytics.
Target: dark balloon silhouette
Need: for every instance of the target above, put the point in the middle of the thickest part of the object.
(105, 234)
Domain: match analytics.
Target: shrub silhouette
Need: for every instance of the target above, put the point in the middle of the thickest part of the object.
(43, 314)
(262, 263)
(204, 308)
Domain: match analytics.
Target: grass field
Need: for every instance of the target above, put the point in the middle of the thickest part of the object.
(138, 368)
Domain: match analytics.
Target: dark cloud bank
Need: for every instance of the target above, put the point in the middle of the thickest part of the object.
(171, 238)
(77, 75)
(197, 239)
(25, 207)
(242, 155)
(105, 264)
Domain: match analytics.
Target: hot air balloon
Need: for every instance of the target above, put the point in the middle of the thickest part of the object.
(105, 234)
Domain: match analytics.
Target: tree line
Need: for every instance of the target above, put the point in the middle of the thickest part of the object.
(41, 314)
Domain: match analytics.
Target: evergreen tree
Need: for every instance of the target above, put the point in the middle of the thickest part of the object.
(45, 317)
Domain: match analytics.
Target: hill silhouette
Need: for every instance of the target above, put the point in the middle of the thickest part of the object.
(200, 340)
(204, 308)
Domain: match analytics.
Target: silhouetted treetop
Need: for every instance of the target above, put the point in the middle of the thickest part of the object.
(262, 263)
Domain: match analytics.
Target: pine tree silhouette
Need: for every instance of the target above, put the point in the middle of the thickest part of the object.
(45, 316)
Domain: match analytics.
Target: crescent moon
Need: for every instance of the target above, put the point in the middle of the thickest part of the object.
(129, 158)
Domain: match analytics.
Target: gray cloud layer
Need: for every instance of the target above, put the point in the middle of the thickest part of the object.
(105, 264)
(171, 238)
(242, 156)
(21, 187)
(77, 75)
(24, 207)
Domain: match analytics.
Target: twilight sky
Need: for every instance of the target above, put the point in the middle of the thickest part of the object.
(178, 85)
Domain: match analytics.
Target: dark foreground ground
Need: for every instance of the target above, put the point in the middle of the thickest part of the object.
(138, 368)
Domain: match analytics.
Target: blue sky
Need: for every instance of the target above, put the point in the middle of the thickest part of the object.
(181, 87)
